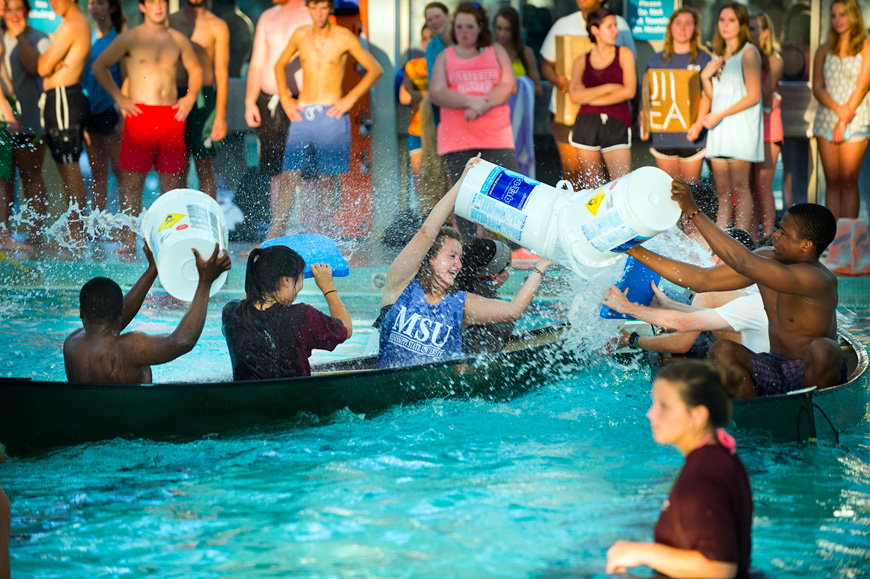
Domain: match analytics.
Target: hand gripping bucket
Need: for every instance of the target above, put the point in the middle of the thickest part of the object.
(179, 221)
(589, 228)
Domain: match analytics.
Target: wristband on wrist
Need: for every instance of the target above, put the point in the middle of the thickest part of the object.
(538, 270)
(692, 216)
(329, 292)
(634, 340)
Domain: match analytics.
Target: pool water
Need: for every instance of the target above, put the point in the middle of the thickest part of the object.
(537, 487)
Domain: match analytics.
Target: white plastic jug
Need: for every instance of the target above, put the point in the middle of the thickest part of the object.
(181, 220)
(589, 228)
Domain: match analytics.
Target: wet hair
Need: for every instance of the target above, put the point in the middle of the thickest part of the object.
(706, 199)
(595, 18)
(481, 259)
(484, 39)
(814, 223)
(266, 267)
(119, 19)
(742, 14)
(743, 237)
(510, 14)
(101, 300)
(439, 5)
(426, 275)
(694, 42)
(769, 46)
(705, 383)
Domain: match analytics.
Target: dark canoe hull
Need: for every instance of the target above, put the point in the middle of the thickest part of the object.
(38, 415)
(808, 415)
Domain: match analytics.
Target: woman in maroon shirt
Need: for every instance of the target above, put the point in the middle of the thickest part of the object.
(602, 83)
(705, 529)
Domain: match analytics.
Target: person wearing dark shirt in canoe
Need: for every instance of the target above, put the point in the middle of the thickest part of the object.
(99, 353)
(267, 334)
(485, 268)
(705, 527)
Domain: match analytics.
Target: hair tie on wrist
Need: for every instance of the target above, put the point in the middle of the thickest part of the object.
(538, 270)
(329, 292)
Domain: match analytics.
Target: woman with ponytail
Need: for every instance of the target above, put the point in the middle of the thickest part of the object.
(705, 528)
(269, 336)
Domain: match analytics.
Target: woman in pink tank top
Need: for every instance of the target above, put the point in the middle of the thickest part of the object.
(602, 83)
(472, 82)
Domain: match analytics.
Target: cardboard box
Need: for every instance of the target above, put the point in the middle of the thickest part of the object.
(568, 48)
(670, 100)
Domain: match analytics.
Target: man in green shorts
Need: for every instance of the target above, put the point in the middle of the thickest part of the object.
(207, 121)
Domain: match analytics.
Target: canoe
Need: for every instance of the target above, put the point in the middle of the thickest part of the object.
(36, 415)
(809, 414)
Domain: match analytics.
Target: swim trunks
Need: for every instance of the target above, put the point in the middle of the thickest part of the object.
(153, 138)
(64, 109)
(104, 123)
(272, 133)
(197, 134)
(776, 374)
(318, 143)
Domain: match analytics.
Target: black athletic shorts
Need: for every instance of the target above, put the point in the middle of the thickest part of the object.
(104, 123)
(600, 133)
(64, 109)
(272, 132)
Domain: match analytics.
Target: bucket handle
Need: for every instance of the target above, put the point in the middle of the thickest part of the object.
(565, 184)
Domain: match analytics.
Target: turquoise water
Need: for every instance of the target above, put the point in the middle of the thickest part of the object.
(537, 487)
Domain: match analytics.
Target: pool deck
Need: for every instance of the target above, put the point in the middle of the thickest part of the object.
(368, 260)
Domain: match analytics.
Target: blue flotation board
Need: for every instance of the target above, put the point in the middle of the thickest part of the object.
(314, 248)
(636, 277)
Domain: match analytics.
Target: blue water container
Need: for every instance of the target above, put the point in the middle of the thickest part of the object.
(314, 249)
(636, 277)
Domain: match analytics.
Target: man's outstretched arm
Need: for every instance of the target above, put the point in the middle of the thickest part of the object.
(696, 278)
(134, 298)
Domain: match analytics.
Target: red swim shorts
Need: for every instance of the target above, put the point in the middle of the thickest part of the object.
(153, 138)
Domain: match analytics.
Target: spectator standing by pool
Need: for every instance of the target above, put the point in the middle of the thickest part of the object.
(103, 123)
(681, 155)
(841, 75)
(206, 125)
(762, 36)
(426, 315)
(572, 25)
(472, 82)
(64, 107)
(735, 138)
(437, 17)
(269, 336)
(508, 35)
(603, 81)
(414, 92)
(705, 527)
(263, 110)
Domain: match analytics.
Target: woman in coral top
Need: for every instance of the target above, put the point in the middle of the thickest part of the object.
(472, 82)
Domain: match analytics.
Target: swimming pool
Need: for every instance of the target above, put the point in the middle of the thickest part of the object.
(537, 487)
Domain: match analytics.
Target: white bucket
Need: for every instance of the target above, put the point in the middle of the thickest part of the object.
(181, 220)
(589, 228)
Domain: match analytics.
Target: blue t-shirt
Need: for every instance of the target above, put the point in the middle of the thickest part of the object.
(666, 141)
(415, 332)
(97, 96)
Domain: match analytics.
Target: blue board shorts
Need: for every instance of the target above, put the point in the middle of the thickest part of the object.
(318, 143)
(776, 374)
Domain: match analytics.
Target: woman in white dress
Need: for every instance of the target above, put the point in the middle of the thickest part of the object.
(732, 81)
(841, 75)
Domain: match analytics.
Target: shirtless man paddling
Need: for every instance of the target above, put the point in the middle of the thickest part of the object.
(263, 111)
(207, 122)
(99, 353)
(154, 115)
(319, 122)
(65, 106)
(799, 294)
